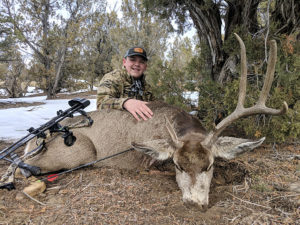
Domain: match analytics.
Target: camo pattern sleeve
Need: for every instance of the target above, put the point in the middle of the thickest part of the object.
(109, 93)
(148, 96)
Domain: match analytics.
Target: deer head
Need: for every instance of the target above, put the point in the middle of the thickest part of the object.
(195, 157)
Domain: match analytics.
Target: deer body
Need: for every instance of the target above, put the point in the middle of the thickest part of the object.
(171, 133)
(112, 131)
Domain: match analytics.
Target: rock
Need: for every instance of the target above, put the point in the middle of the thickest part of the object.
(295, 187)
(35, 188)
(32, 179)
(18, 174)
(55, 200)
(19, 196)
(2, 205)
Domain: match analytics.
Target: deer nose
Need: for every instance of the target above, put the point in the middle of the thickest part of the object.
(195, 206)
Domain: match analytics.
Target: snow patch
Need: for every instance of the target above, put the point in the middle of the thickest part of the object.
(16, 121)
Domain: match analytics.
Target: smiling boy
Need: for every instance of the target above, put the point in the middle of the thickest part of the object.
(127, 88)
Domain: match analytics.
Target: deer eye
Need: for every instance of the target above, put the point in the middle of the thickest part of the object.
(209, 167)
(179, 168)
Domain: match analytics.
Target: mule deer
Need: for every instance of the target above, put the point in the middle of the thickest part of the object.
(171, 133)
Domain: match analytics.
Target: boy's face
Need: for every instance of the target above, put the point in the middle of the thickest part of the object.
(135, 65)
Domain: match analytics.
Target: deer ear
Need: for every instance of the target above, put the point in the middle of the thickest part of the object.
(173, 134)
(230, 147)
(160, 149)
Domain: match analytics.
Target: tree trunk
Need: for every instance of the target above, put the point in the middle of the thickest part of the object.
(58, 67)
(229, 67)
(286, 16)
(49, 85)
(208, 22)
(63, 50)
(241, 14)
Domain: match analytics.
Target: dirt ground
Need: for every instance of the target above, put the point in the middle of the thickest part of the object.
(252, 189)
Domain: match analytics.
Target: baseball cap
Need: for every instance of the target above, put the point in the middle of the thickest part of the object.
(136, 51)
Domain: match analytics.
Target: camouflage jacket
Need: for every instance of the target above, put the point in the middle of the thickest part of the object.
(117, 86)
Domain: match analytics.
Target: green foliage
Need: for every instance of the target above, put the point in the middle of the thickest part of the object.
(215, 100)
(139, 28)
(171, 10)
(167, 83)
(14, 76)
(7, 41)
(199, 61)
(255, 48)
(172, 78)
(53, 31)
(210, 104)
(180, 73)
(218, 101)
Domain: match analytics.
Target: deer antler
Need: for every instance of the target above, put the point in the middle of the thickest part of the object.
(259, 107)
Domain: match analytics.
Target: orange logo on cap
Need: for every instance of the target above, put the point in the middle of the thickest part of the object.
(139, 50)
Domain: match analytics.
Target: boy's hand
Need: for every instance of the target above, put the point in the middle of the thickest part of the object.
(138, 108)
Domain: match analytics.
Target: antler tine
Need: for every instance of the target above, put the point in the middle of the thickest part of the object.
(268, 83)
(243, 79)
(241, 99)
(259, 107)
(269, 74)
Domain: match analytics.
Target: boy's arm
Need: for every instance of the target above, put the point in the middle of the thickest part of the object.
(108, 93)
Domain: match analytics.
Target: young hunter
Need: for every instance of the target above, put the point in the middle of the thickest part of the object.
(127, 88)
